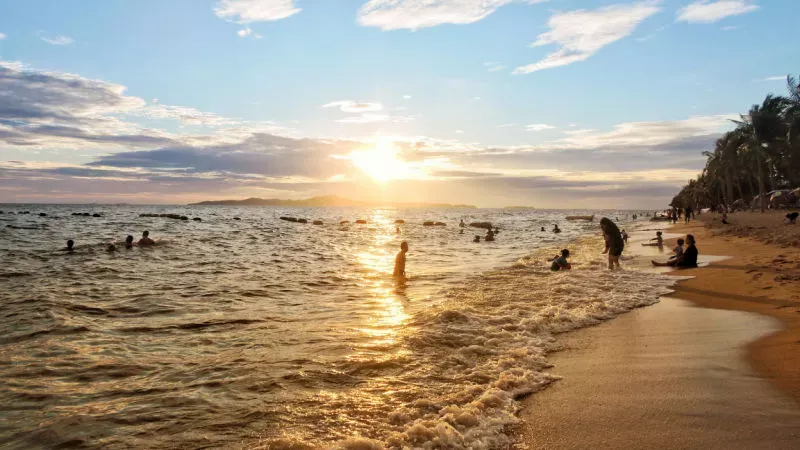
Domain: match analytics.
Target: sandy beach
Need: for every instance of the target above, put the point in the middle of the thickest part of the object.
(713, 366)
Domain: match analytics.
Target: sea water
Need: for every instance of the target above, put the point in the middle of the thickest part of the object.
(262, 333)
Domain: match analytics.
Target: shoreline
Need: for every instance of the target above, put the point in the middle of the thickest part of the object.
(659, 377)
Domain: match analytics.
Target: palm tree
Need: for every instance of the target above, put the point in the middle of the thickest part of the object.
(763, 125)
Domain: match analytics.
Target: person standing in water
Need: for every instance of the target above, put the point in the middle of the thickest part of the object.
(145, 240)
(70, 245)
(614, 242)
(400, 261)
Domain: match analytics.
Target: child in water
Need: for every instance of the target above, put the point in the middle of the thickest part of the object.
(560, 262)
(624, 236)
(400, 261)
(678, 250)
(70, 245)
(659, 241)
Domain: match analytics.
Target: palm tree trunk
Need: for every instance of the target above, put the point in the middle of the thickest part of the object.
(762, 193)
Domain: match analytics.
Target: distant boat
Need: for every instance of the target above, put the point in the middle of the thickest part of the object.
(586, 218)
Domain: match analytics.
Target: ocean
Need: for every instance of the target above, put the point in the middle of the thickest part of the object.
(262, 333)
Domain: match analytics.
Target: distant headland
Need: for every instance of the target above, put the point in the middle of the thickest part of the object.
(324, 201)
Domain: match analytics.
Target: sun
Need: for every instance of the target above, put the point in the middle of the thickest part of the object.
(381, 162)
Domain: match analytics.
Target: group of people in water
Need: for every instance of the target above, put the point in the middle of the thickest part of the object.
(614, 238)
(145, 241)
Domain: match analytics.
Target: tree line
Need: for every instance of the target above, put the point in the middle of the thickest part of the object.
(762, 154)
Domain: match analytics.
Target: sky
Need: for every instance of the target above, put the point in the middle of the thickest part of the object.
(543, 103)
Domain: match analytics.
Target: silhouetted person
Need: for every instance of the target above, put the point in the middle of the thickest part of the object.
(145, 240)
(614, 242)
(70, 246)
(556, 229)
(400, 261)
(489, 235)
(560, 262)
(129, 242)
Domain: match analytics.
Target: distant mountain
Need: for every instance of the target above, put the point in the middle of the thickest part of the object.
(324, 201)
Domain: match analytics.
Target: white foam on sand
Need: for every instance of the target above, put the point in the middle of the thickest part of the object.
(485, 345)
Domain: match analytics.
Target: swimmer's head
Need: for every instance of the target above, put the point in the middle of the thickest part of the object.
(145, 234)
(70, 244)
(111, 247)
(404, 246)
(129, 240)
(565, 253)
(680, 241)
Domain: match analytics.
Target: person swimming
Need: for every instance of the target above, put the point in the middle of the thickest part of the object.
(70, 246)
(477, 238)
(489, 235)
(111, 247)
(400, 261)
(129, 242)
(556, 229)
(542, 229)
(462, 224)
(560, 262)
(145, 240)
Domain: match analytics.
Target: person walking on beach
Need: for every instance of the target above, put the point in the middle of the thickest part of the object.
(614, 242)
(400, 261)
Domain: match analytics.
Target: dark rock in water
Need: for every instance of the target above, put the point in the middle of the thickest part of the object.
(42, 215)
(486, 225)
(428, 223)
(289, 219)
(86, 214)
(236, 218)
(398, 221)
(317, 222)
(184, 218)
(302, 220)
(440, 224)
(197, 219)
(361, 221)
(96, 215)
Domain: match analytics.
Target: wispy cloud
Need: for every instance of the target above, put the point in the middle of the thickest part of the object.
(247, 31)
(246, 11)
(58, 40)
(494, 66)
(2, 36)
(350, 106)
(775, 78)
(710, 11)
(538, 127)
(507, 125)
(416, 14)
(581, 33)
(406, 97)
(730, 27)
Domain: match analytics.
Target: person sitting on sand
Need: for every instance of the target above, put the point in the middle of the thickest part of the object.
(614, 242)
(560, 262)
(624, 236)
(791, 218)
(678, 250)
(400, 261)
(129, 242)
(686, 260)
(659, 241)
(556, 229)
(70, 246)
(145, 240)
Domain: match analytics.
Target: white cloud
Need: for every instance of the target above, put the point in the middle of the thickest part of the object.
(710, 11)
(459, 131)
(582, 33)
(58, 40)
(246, 11)
(350, 106)
(416, 14)
(494, 66)
(244, 32)
(476, 98)
(2, 36)
(506, 125)
(538, 127)
(775, 78)
(406, 97)
(730, 27)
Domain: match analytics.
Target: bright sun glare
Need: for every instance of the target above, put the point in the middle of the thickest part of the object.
(381, 163)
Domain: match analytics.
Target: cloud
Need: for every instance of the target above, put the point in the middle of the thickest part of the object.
(350, 106)
(775, 78)
(406, 97)
(58, 40)
(416, 14)
(507, 125)
(580, 34)
(710, 11)
(247, 31)
(247, 11)
(538, 127)
(2, 36)
(494, 66)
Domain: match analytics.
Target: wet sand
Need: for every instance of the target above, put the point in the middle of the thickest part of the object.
(675, 375)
